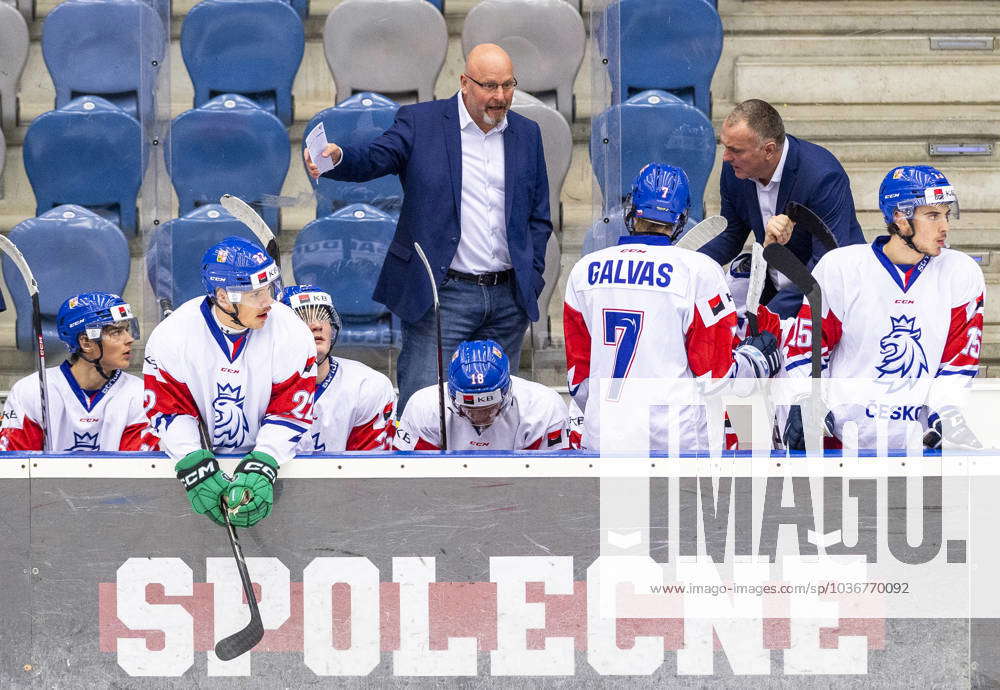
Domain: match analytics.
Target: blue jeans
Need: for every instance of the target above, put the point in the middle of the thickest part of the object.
(468, 312)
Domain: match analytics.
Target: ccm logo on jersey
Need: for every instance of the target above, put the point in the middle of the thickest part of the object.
(89, 420)
(904, 301)
(224, 370)
(479, 444)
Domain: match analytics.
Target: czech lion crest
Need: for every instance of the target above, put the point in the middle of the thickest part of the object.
(230, 427)
(902, 354)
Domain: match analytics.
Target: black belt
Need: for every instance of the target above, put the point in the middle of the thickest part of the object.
(487, 279)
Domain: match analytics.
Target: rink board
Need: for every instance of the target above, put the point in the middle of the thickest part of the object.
(110, 579)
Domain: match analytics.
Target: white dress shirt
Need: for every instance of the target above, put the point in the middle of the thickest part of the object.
(767, 198)
(483, 244)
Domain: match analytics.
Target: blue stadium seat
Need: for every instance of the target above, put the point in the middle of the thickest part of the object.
(249, 47)
(356, 122)
(651, 126)
(91, 153)
(601, 234)
(608, 228)
(343, 253)
(107, 48)
(438, 4)
(173, 258)
(301, 7)
(70, 250)
(228, 146)
(670, 45)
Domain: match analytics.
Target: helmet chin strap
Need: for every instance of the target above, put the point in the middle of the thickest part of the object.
(231, 314)
(97, 361)
(907, 239)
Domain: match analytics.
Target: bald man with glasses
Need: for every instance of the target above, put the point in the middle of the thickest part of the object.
(476, 198)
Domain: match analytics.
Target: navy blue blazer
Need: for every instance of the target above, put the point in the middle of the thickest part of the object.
(813, 177)
(424, 147)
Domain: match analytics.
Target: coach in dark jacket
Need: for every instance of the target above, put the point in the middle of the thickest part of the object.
(476, 199)
(763, 169)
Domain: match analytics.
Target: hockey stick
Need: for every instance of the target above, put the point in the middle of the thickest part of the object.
(781, 258)
(803, 217)
(758, 275)
(702, 233)
(244, 640)
(243, 212)
(15, 255)
(440, 347)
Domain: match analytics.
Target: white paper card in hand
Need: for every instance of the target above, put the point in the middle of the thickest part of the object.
(316, 142)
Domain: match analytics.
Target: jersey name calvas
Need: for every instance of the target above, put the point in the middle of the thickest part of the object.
(646, 310)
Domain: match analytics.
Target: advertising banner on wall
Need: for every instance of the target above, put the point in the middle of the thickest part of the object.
(513, 570)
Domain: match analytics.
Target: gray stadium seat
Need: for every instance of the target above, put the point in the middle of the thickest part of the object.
(13, 55)
(392, 47)
(545, 39)
(3, 153)
(25, 7)
(557, 140)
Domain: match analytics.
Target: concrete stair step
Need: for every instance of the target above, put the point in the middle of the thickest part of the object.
(744, 51)
(865, 17)
(863, 79)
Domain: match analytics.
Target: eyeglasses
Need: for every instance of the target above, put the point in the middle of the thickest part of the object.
(492, 85)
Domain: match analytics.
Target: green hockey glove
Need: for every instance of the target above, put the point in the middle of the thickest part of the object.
(204, 482)
(251, 493)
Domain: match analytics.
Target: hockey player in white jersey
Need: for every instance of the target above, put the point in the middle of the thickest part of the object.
(488, 409)
(648, 310)
(93, 403)
(904, 307)
(355, 405)
(242, 364)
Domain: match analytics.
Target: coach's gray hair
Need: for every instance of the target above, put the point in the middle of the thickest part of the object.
(762, 118)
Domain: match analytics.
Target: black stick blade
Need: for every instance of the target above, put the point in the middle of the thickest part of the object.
(780, 257)
(804, 217)
(241, 641)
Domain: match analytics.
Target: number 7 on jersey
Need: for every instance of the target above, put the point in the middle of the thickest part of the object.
(622, 328)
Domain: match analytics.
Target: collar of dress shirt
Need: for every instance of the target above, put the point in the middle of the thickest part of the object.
(776, 177)
(464, 119)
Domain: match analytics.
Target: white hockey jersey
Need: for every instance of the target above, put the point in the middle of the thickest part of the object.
(111, 418)
(646, 310)
(534, 419)
(354, 410)
(254, 394)
(883, 324)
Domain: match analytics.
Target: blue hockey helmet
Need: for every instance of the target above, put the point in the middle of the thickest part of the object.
(907, 187)
(479, 381)
(661, 194)
(312, 304)
(89, 313)
(238, 266)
